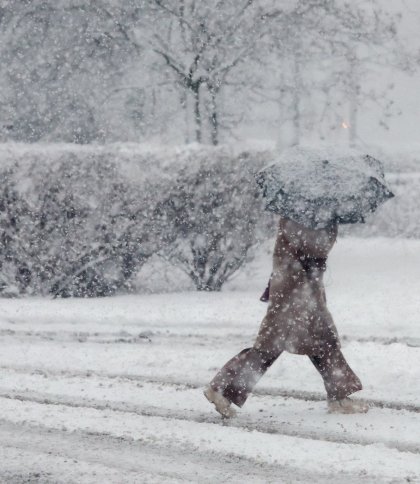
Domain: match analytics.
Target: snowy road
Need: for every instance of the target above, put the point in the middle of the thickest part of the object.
(110, 390)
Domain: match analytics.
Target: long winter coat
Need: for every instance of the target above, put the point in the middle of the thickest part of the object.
(297, 318)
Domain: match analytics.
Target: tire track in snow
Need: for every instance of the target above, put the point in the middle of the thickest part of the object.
(149, 336)
(198, 385)
(127, 460)
(241, 422)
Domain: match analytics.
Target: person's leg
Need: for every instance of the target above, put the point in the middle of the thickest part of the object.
(236, 380)
(238, 377)
(340, 381)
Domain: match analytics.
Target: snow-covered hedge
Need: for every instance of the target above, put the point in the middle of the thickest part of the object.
(81, 221)
(73, 222)
(215, 212)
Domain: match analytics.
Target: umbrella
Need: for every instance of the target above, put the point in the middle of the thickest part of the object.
(320, 187)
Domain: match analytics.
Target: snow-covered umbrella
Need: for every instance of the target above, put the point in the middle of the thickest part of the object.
(320, 187)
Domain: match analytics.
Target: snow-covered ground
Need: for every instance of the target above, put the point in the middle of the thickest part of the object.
(109, 390)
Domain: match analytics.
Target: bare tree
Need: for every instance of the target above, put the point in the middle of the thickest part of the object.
(59, 60)
(375, 45)
(202, 43)
(90, 70)
(326, 49)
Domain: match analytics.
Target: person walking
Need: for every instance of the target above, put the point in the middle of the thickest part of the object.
(297, 321)
(313, 191)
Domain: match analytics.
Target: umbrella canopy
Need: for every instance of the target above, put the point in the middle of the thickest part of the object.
(320, 187)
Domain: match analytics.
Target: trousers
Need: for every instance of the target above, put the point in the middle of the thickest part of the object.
(238, 377)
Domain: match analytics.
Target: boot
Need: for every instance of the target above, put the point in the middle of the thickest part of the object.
(222, 404)
(347, 405)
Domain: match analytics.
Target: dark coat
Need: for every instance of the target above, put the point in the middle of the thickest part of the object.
(297, 318)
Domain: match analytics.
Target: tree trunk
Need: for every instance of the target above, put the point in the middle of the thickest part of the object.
(197, 113)
(185, 107)
(214, 122)
(296, 100)
(354, 93)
